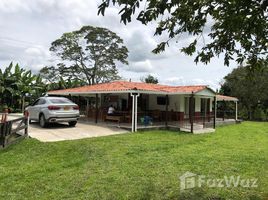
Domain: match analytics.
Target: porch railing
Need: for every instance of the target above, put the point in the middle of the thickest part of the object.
(158, 118)
(225, 114)
(12, 129)
(199, 122)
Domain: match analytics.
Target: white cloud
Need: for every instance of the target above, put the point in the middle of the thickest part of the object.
(13, 6)
(32, 51)
(174, 81)
(196, 81)
(142, 66)
(29, 26)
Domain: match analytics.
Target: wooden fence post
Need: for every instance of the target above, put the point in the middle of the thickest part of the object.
(6, 132)
(26, 122)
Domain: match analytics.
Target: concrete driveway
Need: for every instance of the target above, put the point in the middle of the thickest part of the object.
(60, 132)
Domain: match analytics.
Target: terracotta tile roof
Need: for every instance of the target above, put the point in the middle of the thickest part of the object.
(225, 98)
(130, 86)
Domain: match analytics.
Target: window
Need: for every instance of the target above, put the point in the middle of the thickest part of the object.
(36, 102)
(162, 101)
(41, 102)
(60, 101)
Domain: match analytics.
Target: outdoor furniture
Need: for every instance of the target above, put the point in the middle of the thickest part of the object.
(116, 118)
(146, 120)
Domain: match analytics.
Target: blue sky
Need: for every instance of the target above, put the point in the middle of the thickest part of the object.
(29, 26)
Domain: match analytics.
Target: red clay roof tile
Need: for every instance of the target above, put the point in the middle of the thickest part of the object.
(128, 86)
(225, 98)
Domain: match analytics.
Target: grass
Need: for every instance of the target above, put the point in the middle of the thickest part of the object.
(145, 165)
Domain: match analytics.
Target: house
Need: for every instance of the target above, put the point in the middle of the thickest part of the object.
(142, 105)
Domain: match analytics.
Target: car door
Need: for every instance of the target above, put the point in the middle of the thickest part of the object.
(33, 110)
(38, 107)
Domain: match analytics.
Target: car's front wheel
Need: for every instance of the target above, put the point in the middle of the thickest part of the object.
(42, 121)
(72, 123)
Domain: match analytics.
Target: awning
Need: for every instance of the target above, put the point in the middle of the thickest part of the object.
(225, 98)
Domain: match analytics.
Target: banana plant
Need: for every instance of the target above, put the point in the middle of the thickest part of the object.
(7, 85)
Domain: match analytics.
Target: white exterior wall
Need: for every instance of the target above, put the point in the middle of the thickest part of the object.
(206, 93)
(211, 104)
(176, 103)
(197, 103)
(182, 99)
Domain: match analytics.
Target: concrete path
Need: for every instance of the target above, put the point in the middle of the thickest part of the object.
(60, 132)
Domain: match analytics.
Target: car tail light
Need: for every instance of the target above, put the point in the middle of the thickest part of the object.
(53, 107)
(76, 107)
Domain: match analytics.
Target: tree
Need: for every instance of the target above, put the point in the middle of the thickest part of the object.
(56, 78)
(89, 54)
(7, 85)
(251, 88)
(16, 84)
(238, 29)
(150, 79)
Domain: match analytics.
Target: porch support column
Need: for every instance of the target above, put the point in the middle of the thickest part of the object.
(87, 109)
(205, 114)
(224, 107)
(192, 112)
(235, 110)
(97, 108)
(166, 123)
(134, 111)
(215, 112)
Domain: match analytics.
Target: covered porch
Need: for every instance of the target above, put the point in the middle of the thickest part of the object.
(141, 106)
(227, 110)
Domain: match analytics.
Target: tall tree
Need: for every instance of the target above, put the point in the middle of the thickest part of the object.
(150, 79)
(90, 54)
(251, 88)
(237, 29)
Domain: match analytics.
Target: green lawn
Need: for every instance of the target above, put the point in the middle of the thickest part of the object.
(145, 165)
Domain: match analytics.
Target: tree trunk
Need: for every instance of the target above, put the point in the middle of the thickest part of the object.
(23, 103)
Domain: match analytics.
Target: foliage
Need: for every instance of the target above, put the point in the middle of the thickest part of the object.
(150, 79)
(251, 88)
(144, 165)
(16, 84)
(237, 29)
(88, 55)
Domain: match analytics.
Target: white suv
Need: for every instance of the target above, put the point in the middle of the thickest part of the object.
(47, 110)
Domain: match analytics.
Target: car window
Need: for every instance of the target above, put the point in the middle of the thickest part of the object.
(60, 101)
(41, 102)
(36, 102)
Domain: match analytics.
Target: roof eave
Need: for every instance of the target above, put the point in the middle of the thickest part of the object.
(109, 92)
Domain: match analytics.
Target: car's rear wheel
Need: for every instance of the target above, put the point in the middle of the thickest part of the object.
(72, 123)
(42, 121)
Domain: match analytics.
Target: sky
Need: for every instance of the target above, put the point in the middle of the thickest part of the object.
(28, 27)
